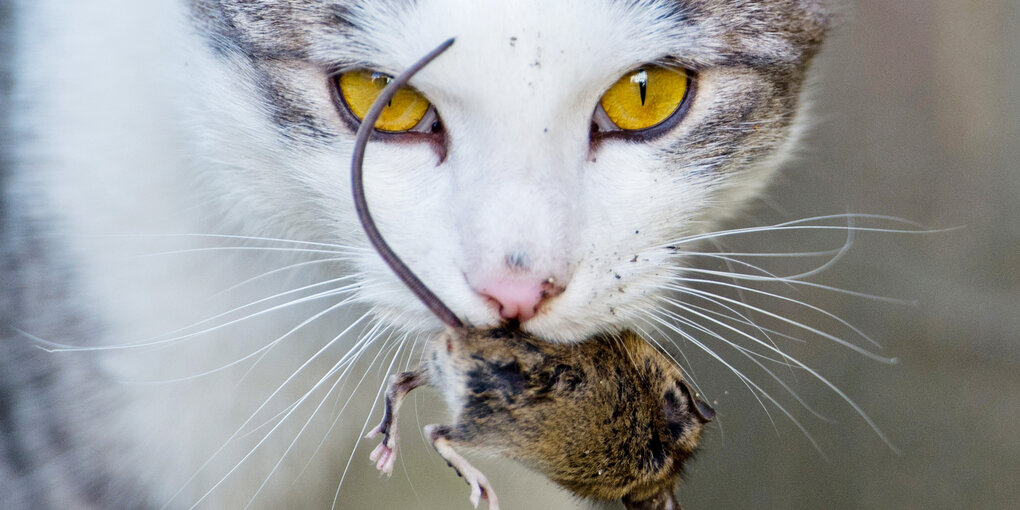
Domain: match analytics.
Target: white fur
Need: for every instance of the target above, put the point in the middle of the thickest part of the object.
(137, 130)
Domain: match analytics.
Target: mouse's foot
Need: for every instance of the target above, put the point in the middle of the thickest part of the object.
(442, 439)
(385, 455)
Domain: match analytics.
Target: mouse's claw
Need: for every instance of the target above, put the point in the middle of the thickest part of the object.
(441, 436)
(375, 432)
(480, 488)
(385, 456)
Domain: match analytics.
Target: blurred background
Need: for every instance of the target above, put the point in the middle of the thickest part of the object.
(916, 116)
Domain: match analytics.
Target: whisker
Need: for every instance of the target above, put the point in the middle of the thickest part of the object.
(823, 334)
(735, 319)
(754, 388)
(262, 406)
(242, 238)
(360, 437)
(744, 350)
(56, 347)
(860, 412)
(787, 280)
(743, 298)
(238, 248)
(374, 332)
(754, 254)
(336, 413)
(275, 271)
(804, 224)
(252, 451)
(751, 355)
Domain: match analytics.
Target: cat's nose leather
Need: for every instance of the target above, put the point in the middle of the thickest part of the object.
(519, 298)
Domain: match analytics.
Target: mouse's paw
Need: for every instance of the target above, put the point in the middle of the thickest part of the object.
(385, 455)
(442, 437)
(480, 487)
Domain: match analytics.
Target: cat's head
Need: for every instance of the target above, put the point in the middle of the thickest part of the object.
(564, 148)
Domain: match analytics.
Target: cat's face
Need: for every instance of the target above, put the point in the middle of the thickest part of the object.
(524, 183)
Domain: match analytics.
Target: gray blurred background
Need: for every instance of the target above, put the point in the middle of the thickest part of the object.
(917, 116)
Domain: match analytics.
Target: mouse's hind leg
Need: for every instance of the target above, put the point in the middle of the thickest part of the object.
(385, 455)
(443, 439)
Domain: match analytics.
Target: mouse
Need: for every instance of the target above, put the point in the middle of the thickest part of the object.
(609, 418)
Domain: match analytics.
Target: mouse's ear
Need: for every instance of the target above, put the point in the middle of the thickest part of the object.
(662, 500)
(704, 411)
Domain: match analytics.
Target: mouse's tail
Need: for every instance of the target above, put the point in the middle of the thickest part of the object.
(361, 206)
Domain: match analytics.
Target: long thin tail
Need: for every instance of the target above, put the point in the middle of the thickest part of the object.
(361, 206)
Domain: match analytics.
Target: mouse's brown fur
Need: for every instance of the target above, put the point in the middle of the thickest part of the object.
(607, 419)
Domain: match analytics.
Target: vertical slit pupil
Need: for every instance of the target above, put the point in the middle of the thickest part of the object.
(641, 79)
(385, 81)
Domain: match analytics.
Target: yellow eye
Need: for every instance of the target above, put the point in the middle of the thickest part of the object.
(645, 97)
(359, 90)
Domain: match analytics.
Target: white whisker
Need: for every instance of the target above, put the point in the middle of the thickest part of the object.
(816, 375)
(238, 248)
(838, 340)
(751, 355)
(360, 437)
(375, 332)
(787, 280)
(241, 238)
(754, 388)
(804, 224)
(56, 347)
(259, 409)
(275, 271)
(300, 401)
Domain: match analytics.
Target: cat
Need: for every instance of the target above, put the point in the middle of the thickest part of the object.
(188, 301)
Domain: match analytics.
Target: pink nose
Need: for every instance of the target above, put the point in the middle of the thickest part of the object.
(518, 299)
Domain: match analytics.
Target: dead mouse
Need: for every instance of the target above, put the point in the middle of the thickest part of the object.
(609, 418)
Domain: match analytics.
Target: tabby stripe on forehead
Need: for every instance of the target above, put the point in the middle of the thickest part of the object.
(298, 120)
(265, 29)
